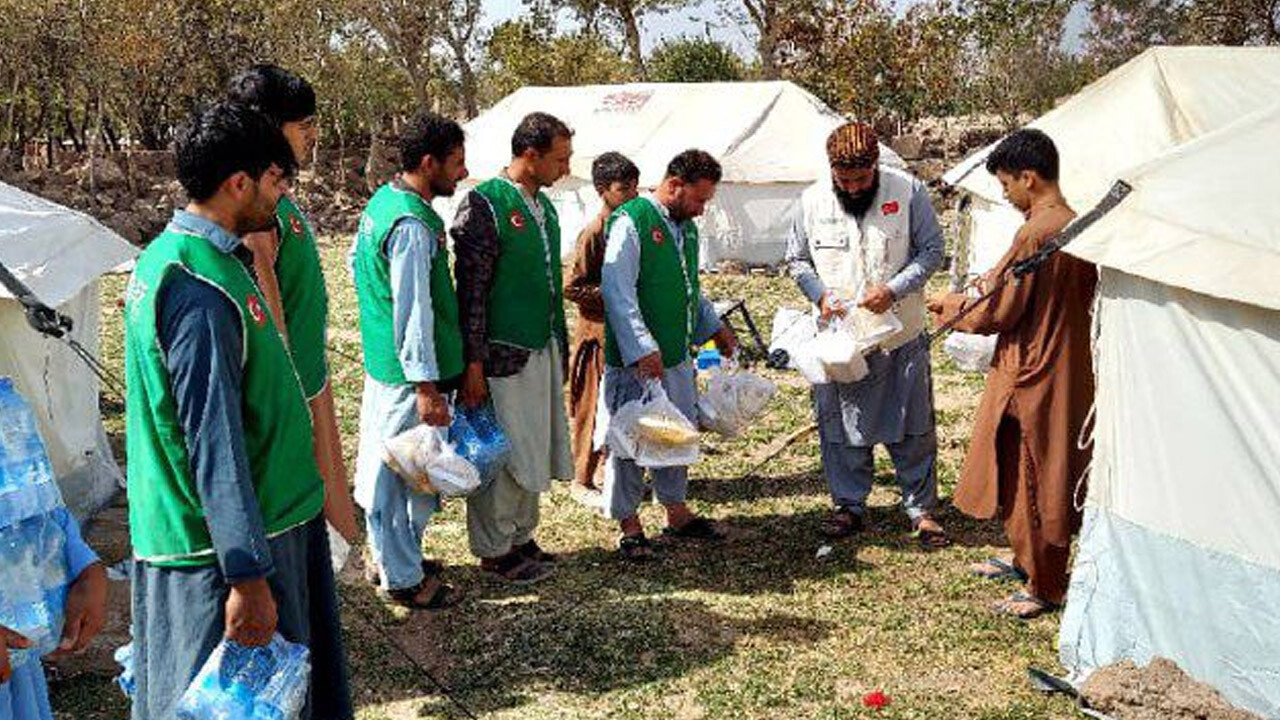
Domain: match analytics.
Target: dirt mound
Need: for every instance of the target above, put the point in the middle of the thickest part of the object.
(1160, 691)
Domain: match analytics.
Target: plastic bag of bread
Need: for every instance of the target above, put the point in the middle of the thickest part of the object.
(652, 431)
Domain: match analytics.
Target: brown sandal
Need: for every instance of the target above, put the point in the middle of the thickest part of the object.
(515, 568)
(444, 596)
(842, 523)
(929, 538)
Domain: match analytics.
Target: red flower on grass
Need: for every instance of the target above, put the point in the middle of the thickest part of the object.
(875, 699)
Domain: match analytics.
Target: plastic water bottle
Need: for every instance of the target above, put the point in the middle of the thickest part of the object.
(27, 485)
(34, 593)
(125, 680)
(479, 438)
(249, 683)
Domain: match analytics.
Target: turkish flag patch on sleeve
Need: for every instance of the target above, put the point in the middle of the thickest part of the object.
(889, 208)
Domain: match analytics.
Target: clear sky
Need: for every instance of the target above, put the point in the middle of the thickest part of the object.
(706, 16)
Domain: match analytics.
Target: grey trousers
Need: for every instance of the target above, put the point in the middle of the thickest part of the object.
(850, 470)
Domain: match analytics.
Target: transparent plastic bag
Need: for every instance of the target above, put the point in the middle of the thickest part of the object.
(971, 352)
(664, 436)
(244, 683)
(430, 464)
(33, 593)
(870, 329)
(478, 438)
(733, 400)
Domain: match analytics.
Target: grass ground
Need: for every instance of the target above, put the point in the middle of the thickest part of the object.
(756, 627)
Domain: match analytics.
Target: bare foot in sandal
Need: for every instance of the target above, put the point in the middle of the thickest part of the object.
(1024, 606)
(515, 568)
(432, 593)
(929, 533)
(842, 523)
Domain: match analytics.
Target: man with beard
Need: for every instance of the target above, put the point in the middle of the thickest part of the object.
(654, 313)
(287, 264)
(224, 494)
(1024, 460)
(511, 305)
(869, 236)
(412, 348)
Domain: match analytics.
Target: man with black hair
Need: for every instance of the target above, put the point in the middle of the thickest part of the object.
(1024, 460)
(510, 302)
(225, 496)
(615, 178)
(866, 241)
(287, 265)
(412, 348)
(655, 313)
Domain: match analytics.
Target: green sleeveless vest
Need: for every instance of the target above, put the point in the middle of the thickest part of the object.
(667, 288)
(526, 301)
(373, 287)
(303, 295)
(166, 519)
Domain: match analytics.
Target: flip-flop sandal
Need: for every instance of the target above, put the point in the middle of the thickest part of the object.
(1039, 607)
(1001, 570)
(445, 596)
(517, 569)
(636, 548)
(842, 523)
(931, 539)
(699, 528)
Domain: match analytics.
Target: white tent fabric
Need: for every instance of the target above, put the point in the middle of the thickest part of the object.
(769, 136)
(59, 254)
(1180, 553)
(1161, 99)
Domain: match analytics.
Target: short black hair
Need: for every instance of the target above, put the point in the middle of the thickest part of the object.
(537, 131)
(694, 166)
(1026, 149)
(224, 139)
(425, 134)
(613, 167)
(279, 94)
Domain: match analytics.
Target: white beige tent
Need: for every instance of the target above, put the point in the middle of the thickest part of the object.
(1180, 552)
(769, 136)
(1157, 101)
(59, 254)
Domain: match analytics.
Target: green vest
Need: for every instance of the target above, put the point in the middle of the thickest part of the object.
(667, 287)
(303, 295)
(166, 520)
(526, 301)
(373, 287)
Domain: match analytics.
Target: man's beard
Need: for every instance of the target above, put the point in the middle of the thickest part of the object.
(858, 205)
(442, 188)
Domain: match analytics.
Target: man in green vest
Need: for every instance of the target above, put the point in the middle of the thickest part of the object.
(224, 494)
(507, 240)
(287, 264)
(655, 313)
(412, 348)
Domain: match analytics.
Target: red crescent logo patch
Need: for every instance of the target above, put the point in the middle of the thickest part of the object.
(255, 310)
(658, 236)
(295, 224)
(517, 220)
(889, 208)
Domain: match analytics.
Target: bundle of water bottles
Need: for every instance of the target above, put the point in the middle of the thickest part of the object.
(478, 436)
(32, 542)
(249, 683)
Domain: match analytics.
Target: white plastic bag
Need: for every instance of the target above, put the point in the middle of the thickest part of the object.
(339, 550)
(870, 329)
(971, 352)
(429, 463)
(658, 431)
(792, 331)
(840, 356)
(733, 400)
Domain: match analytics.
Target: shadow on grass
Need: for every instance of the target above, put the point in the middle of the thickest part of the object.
(497, 653)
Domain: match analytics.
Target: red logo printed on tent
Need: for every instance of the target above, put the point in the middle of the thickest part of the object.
(517, 220)
(295, 224)
(889, 208)
(658, 237)
(255, 310)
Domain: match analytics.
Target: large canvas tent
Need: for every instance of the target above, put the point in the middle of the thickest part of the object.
(769, 136)
(1180, 552)
(59, 254)
(1157, 101)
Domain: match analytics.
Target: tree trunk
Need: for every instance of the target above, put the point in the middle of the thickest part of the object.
(631, 29)
(467, 79)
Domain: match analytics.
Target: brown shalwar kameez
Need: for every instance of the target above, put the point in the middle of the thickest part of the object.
(586, 363)
(1023, 457)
